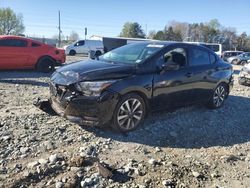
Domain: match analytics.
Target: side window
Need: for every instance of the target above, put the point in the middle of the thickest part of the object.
(80, 43)
(33, 44)
(213, 59)
(2, 42)
(198, 57)
(176, 55)
(14, 43)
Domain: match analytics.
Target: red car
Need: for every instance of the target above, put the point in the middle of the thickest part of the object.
(24, 53)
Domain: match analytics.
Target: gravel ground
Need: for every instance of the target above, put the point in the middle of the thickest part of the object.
(189, 147)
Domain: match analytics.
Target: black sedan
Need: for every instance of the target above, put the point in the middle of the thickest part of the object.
(121, 87)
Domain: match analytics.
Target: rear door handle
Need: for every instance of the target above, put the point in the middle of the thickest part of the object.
(189, 74)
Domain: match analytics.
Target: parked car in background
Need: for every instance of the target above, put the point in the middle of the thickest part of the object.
(227, 54)
(122, 86)
(23, 53)
(244, 76)
(240, 59)
(84, 47)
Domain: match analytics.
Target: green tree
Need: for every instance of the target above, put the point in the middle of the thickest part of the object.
(159, 36)
(132, 30)
(242, 41)
(170, 35)
(10, 22)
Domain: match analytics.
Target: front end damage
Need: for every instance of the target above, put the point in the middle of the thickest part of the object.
(77, 108)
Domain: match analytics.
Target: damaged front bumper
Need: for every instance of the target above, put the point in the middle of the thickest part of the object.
(83, 110)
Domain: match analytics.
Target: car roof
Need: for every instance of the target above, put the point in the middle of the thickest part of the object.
(19, 37)
(168, 43)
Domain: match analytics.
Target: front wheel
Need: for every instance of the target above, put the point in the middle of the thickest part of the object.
(243, 62)
(219, 95)
(72, 52)
(129, 113)
(235, 62)
(45, 64)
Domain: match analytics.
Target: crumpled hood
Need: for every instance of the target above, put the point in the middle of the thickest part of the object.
(91, 70)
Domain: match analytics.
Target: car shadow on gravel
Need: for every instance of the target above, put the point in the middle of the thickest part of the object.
(25, 82)
(192, 127)
(24, 77)
(17, 74)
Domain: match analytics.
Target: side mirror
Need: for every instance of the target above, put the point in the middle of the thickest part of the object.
(170, 66)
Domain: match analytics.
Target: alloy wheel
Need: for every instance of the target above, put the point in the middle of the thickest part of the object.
(219, 96)
(130, 114)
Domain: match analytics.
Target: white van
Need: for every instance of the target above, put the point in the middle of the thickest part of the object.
(84, 47)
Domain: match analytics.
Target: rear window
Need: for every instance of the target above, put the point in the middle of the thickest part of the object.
(13, 43)
(198, 57)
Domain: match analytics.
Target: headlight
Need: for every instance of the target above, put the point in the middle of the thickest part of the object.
(93, 88)
(65, 77)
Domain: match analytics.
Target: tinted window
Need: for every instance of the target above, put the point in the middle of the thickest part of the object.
(212, 58)
(177, 55)
(199, 57)
(132, 53)
(35, 44)
(80, 43)
(13, 43)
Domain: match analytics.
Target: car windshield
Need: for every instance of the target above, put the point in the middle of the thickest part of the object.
(132, 53)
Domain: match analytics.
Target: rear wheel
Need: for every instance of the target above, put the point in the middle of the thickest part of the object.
(72, 52)
(98, 53)
(129, 113)
(219, 95)
(243, 62)
(235, 62)
(45, 64)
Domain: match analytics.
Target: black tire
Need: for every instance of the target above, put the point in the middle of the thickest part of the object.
(219, 96)
(242, 81)
(235, 62)
(72, 52)
(135, 114)
(45, 64)
(98, 53)
(243, 62)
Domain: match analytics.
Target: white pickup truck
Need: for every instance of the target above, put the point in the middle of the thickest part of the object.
(84, 47)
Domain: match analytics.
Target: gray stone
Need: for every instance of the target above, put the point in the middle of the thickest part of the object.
(152, 161)
(59, 184)
(24, 150)
(43, 161)
(33, 164)
(53, 158)
(196, 174)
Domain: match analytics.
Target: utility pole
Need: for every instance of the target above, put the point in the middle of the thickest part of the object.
(85, 32)
(146, 31)
(59, 28)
